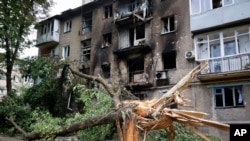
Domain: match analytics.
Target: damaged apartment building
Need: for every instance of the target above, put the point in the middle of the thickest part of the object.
(149, 45)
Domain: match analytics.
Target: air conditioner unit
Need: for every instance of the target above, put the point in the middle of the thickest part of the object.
(189, 55)
(161, 75)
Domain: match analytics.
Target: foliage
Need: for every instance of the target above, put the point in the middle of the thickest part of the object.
(96, 102)
(13, 107)
(182, 134)
(15, 22)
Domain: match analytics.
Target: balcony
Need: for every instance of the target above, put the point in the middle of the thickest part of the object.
(48, 33)
(138, 79)
(233, 67)
(237, 12)
(50, 38)
(127, 11)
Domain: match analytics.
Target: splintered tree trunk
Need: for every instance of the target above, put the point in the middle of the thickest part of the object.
(128, 131)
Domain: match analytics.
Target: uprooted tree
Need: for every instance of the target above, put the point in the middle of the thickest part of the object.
(133, 117)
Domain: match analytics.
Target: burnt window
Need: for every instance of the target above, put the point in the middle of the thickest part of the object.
(136, 64)
(140, 32)
(108, 11)
(87, 23)
(85, 50)
(231, 96)
(168, 24)
(136, 69)
(169, 59)
(106, 70)
(134, 4)
(141, 96)
(107, 40)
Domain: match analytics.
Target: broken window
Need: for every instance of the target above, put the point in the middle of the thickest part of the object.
(169, 59)
(136, 70)
(106, 70)
(67, 26)
(168, 24)
(85, 50)
(231, 96)
(140, 32)
(139, 35)
(107, 40)
(65, 51)
(87, 23)
(141, 96)
(108, 11)
(133, 5)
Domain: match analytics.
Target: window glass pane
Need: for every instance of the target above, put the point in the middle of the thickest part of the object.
(205, 5)
(202, 46)
(195, 4)
(215, 50)
(218, 101)
(229, 101)
(227, 2)
(218, 91)
(229, 48)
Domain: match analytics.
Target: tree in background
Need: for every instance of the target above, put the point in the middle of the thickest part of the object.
(16, 18)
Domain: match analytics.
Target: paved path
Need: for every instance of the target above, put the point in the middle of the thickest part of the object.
(9, 139)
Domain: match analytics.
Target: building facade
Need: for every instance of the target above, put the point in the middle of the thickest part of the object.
(149, 45)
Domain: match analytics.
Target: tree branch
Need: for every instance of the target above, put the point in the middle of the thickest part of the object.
(73, 128)
(112, 93)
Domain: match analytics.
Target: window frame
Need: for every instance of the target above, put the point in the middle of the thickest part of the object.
(87, 22)
(109, 10)
(65, 52)
(223, 95)
(201, 3)
(167, 21)
(107, 40)
(67, 26)
(222, 40)
(85, 50)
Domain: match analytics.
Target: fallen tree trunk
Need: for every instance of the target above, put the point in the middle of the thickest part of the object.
(134, 116)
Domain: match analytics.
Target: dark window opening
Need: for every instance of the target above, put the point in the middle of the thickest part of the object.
(140, 32)
(106, 70)
(108, 11)
(131, 36)
(219, 101)
(229, 97)
(141, 96)
(217, 3)
(136, 69)
(136, 64)
(133, 5)
(107, 40)
(169, 60)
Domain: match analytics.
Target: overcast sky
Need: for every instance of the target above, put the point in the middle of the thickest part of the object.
(59, 6)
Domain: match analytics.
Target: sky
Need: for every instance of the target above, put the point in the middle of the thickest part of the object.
(58, 7)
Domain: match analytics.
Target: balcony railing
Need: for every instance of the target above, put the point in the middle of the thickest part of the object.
(48, 37)
(236, 63)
